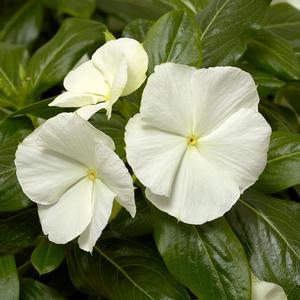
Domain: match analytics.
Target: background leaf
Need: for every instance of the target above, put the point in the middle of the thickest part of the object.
(174, 38)
(9, 281)
(282, 170)
(208, 259)
(226, 27)
(135, 269)
(269, 231)
(83, 9)
(137, 29)
(47, 256)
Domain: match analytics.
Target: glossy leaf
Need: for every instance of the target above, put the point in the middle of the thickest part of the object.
(9, 281)
(19, 231)
(193, 6)
(269, 230)
(47, 256)
(269, 53)
(137, 29)
(75, 8)
(55, 59)
(11, 133)
(25, 25)
(174, 38)
(129, 10)
(135, 270)
(31, 289)
(226, 27)
(208, 259)
(284, 20)
(292, 95)
(282, 170)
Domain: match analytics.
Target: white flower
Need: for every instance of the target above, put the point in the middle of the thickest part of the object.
(262, 290)
(295, 3)
(116, 69)
(70, 170)
(198, 141)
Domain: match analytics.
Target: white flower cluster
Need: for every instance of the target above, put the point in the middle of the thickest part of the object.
(196, 145)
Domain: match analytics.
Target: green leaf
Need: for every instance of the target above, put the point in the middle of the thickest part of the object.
(280, 118)
(11, 133)
(208, 259)
(226, 27)
(175, 37)
(11, 59)
(284, 20)
(50, 64)
(269, 229)
(193, 6)
(114, 127)
(9, 281)
(135, 270)
(273, 55)
(34, 290)
(283, 165)
(137, 29)
(75, 8)
(129, 10)
(19, 231)
(47, 256)
(25, 25)
(140, 225)
(292, 94)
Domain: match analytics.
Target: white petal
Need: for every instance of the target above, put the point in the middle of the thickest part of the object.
(112, 172)
(239, 146)
(70, 135)
(201, 192)
(70, 99)
(103, 199)
(262, 290)
(87, 111)
(108, 57)
(184, 100)
(166, 101)
(45, 175)
(86, 79)
(153, 154)
(70, 215)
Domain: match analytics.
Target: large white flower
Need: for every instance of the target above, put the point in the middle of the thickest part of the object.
(116, 69)
(262, 290)
(295, 3)
(70, 170)
(198, 141)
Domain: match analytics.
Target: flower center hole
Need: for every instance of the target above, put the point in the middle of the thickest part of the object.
(192, 140)
(92, 174)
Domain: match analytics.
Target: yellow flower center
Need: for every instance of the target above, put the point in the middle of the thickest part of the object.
(192, 140)
(92, 174)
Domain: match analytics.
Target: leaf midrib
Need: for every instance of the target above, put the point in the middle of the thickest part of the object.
(283, 157)
(123, 272)
(272, 226)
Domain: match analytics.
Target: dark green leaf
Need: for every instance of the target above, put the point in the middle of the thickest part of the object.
(272, 54)
(283, 165)
(226, 27)
(292, 94)
(75, 8)
(208, 259)
(11, 133)
(121, 270)
(47, 256)
(25, 25)
(19, 231)
(175, 37)
(137, 29)
(9, 281)
(54, 60)
(129, 10)
(141, 224)
(279, 117)
(284, 21)
(114, 127)
(33, 290)
(193, 6)
(269, 230)
(12, 57)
